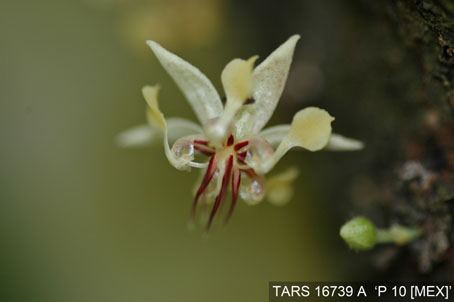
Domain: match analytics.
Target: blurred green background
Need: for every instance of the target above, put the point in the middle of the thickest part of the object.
(83, 220)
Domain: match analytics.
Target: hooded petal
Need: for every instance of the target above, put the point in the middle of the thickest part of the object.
(269, 81)
(310, 129)
(198, 90)
(237, 79)
(145, 135)
(156, 119)
(279, 187)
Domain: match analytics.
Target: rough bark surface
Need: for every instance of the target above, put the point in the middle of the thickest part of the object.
(421, 192)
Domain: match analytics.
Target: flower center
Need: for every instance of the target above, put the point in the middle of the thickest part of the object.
(227, 164)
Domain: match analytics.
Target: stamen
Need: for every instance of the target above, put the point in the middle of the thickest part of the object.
(240, 145)
(236, 179)
(230, 141)
(225, 183)
(206, 180)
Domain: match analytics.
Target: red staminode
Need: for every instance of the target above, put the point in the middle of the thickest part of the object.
(240, 145)
(230, 140)
(206, 180)
(225, 183)
(236, 179)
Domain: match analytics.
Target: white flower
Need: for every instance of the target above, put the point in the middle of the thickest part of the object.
(231, 135)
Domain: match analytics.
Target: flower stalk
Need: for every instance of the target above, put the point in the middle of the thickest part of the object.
(361, 234)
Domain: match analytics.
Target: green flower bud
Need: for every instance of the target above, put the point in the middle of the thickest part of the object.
(359, 233)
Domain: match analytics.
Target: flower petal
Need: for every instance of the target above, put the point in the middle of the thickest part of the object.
(138, 136)
(279, 189)
(269, 81)
(156, 120)
(198, 90)
(310, 129)
(145, 135)
(339, 142)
